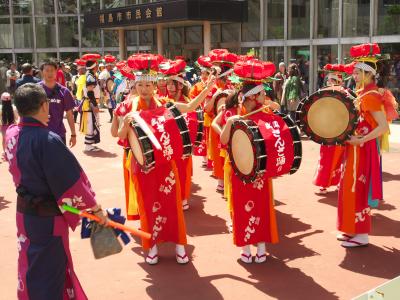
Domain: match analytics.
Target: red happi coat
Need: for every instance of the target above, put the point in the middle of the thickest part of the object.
(361, 178)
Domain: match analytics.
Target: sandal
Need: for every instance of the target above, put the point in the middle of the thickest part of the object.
(344, 237)
(182, 259)
(246, 258)
(260, 258)
(152, 260)
(353, 244)
(220, 188)
(185, 205)
(322, 191)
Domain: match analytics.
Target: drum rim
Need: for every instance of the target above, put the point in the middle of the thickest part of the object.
(297, 144)
(343, 98)
(146, 164)
(252, 176)
(183, 130)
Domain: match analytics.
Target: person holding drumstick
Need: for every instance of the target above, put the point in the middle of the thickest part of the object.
(147, 184)
(362, 179)
(178, 92)
(249, 100)
(328, 171)
(222, 61)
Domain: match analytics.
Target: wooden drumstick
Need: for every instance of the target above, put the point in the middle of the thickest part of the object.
(255, 111)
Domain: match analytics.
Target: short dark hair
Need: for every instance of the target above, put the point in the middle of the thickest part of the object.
(28, 98)
(49, 62)
(26, 68)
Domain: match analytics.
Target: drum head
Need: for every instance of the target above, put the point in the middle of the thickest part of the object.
(328, 117)
(242, 152)
(136, 148)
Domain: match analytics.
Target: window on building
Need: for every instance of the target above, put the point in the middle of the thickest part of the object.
(274, 21)
(44, 7)
(176, 36)
(146, 37)
(5, 58)
(194, 35)
(45, 32)
(274, 54)
(23, 32)
(388, 17)
(69, 57)
(68, 31)
(131, 37)
(230, 32)
(5, 8)
(111, 38)
(41, 56)
(22, 58)
(356, 17)
(251, 29)
(215, 33)
(346, 53)
(90, 37)
(89, 5)
(67, 6)
(301, 56)
(250, 51)
(327, 54)
(5, 33)
(22, 7)
(299, 19)
(391, 74)
(328, 16)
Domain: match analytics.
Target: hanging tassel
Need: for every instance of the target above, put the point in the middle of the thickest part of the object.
(353, 188)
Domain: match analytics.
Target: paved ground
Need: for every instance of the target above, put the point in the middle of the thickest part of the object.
(308, 263)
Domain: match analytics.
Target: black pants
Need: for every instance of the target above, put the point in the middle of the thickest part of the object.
(75, 116)
(111, 112)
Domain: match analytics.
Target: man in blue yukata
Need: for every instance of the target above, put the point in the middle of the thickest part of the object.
(46, 175)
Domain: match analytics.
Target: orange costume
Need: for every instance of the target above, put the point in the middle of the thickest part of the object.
(158, 190)
(362, 181)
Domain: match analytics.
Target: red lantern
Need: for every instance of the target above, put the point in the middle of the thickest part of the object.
(364, 50)
(80, 62)
(254, 69)
(172, 67)
(91, 57)
(109, 59)
(334, 67)
(125, 70)
(348, 69)
(204, 61)
(144, 61)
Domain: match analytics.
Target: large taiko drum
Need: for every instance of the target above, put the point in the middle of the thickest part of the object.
(169, 128)
(328, 116)
(195, 123)
(265, 144)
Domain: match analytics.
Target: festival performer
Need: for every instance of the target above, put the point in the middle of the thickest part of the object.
(223, 61)
(158, 189)
(122, 109)
(78, 83)
(46, 175)
(178, 92)
(91, 71)
(204, 63)
(262, 227)
(89, 124)
(329, 169)
(362, 180)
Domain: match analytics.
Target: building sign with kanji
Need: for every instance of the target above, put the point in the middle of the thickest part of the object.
(167, 11)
